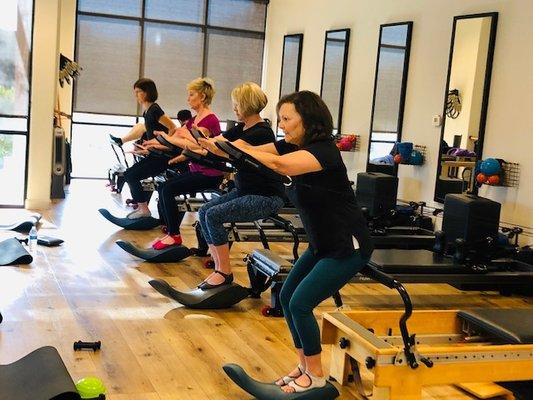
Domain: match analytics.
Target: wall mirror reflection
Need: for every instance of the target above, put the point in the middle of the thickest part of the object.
(334, 73)
(290, 64)
(389, 96)
(465, 103)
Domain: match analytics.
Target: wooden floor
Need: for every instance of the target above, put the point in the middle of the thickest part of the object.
(152, 348)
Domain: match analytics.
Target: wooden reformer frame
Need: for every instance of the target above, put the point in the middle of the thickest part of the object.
(444, 351)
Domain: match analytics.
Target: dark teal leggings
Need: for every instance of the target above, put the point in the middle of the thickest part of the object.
(311, 281)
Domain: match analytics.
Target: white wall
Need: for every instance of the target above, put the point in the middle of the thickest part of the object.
(509, 127)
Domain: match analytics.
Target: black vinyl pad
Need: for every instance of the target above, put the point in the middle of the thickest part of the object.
(24, 225)
(13, 253)
(398, 261)
(513, 326)
(221, 297)
(138, 224)
(170, 254)
(270, 391)
(41, 375)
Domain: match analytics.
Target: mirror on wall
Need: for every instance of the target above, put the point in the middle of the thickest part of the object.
(465, 102)
(290, 64)
(334, 73)
(389, 96)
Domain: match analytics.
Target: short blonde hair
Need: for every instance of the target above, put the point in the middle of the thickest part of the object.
(204, 86)
(250, 98)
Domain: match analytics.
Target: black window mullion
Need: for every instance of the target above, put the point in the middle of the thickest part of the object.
(206, 40)
(141, 61)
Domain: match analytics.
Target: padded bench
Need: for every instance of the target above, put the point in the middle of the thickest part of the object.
(510, 326)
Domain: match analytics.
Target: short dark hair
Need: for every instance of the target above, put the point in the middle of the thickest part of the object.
(184, 115)
(148, 87)
(316, 118)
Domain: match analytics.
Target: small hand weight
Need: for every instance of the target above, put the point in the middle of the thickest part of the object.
(79, 345)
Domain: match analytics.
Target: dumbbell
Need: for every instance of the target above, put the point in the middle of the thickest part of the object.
(79, 345)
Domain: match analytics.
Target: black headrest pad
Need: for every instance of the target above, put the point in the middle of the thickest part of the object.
(514, 326)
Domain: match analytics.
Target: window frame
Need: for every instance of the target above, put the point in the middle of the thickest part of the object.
(205, 28)
(25, 133)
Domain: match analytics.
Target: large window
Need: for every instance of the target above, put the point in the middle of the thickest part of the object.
(169, 41)
(15, 60)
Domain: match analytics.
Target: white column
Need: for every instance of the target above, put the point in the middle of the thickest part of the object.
(45, 59)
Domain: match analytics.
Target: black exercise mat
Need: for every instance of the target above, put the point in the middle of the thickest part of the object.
(41, 375)
(169, 254)
(138, 224)
(23, 225)
(270, 391)
(13, 253)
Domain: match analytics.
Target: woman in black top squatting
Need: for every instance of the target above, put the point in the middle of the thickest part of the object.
(153, 164)
(339, 241)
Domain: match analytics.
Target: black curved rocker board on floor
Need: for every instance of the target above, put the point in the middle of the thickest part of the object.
(24, 225)
(40, 375)
(270, 391)
(221, 297)
(138, 224)
(12, 252)
(170, 254)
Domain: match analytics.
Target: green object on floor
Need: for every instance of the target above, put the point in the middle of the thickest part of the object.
(90, 387)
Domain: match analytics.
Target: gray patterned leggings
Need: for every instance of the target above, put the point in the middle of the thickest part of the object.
(234, 208)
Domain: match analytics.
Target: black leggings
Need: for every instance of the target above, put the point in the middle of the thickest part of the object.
(189, 182)
(150, 165)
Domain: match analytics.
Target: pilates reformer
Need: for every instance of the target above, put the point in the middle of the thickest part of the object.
(465, 255)
(470, 348)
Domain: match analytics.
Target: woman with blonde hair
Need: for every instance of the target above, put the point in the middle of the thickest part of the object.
(255, 195)
(199, 178)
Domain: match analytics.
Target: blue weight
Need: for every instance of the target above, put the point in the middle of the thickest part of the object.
(490, 166)
(417, 158)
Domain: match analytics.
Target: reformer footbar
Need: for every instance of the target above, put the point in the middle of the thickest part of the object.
(169, 254)
(223, 296)
(138, 224)
(23, 225)
(271, 391)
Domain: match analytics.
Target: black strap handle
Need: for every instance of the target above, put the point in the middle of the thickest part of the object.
(206, 161)
(239, 157)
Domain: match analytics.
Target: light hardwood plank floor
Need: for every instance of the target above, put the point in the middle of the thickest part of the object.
(153, 348)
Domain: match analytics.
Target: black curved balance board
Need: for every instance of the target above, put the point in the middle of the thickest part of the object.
(139, 224)
(12, 252)
(38, 375)
(270, 391)
(24, 225)
(221, 297)
(170, 254)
